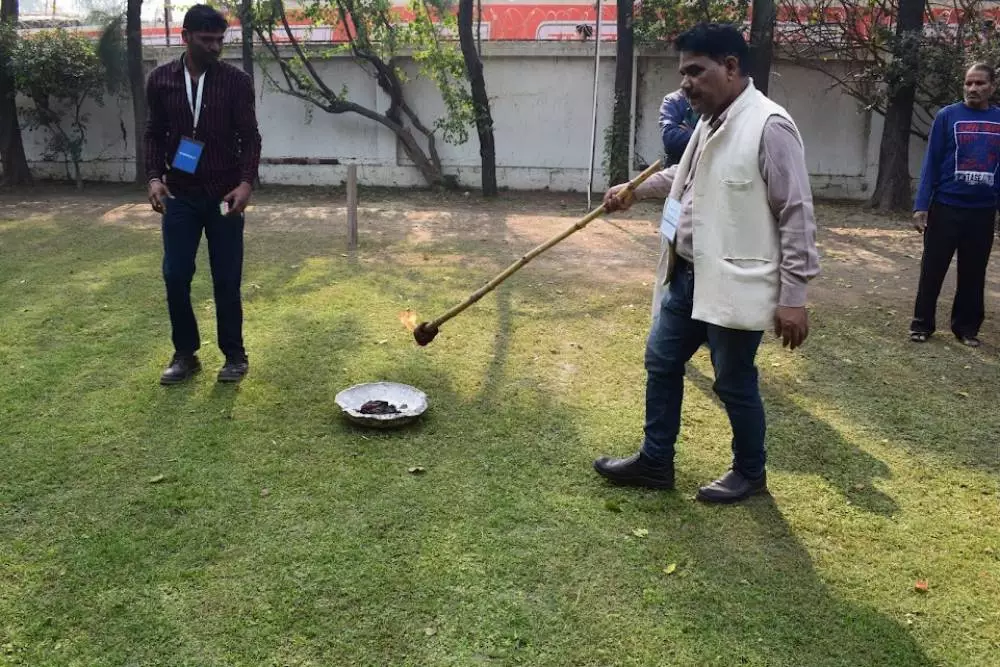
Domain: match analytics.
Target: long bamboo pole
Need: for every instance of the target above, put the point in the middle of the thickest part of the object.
(426, 331)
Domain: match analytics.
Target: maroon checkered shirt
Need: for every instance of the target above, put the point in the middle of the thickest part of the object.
(227, 126)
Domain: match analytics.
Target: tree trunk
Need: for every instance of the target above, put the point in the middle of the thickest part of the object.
(246, 25)
(15, 162)
(893, 191)
(427, 169)
(762, 21)
(168, 11)
(137, 84)
(480, 100)
(621, 119)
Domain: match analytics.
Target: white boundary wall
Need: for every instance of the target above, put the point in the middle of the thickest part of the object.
(541, 102)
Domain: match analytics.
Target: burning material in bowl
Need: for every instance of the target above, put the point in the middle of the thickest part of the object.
(382, 404)
(379, 408)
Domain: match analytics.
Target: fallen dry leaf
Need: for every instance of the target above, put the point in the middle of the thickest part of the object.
(921, 586)
(670, 569)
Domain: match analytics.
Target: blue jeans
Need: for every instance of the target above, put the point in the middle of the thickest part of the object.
(673, 340)
(183, 222)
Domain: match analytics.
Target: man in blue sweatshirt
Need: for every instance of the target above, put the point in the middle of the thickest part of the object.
(677, 121)
(956, 207)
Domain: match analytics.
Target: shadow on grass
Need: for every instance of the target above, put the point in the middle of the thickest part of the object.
(929, 398)
(744, 591)
(800, 442)
(761, 596)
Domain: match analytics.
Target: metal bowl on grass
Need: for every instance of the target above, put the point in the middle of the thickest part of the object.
(409, 403)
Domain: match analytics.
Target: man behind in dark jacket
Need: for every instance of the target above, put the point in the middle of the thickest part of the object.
(677, 121)
(202, 155)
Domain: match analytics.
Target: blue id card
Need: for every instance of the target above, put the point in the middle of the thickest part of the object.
(188, 155)
(671, 216)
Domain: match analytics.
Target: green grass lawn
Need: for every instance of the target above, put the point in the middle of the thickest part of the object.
(206, 525)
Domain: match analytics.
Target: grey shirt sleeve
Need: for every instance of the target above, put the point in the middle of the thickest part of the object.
(658, 185)
(783, 166)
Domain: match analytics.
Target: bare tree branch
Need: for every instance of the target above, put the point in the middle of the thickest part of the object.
(299, 77)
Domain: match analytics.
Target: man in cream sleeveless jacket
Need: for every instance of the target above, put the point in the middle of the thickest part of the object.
(738, 248)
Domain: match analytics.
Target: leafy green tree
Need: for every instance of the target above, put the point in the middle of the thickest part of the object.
(660, 21)
(59, 71)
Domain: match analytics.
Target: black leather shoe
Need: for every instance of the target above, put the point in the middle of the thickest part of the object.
(234, 370)
(731, 488)
(181, 367)
(636, 470)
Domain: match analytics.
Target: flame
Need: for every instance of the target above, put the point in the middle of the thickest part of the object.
(409, 319)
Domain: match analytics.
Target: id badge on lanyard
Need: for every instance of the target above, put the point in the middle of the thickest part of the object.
(670, 218)
(189, 150)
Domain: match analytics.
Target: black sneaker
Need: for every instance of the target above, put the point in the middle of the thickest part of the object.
(181, 367)
(234, 369)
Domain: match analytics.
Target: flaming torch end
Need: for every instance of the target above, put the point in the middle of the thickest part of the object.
(424, 333)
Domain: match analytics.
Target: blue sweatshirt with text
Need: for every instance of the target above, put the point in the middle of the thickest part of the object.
(963, 159)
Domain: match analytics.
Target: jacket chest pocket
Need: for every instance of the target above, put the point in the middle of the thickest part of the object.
(745, 239)
(736, 184)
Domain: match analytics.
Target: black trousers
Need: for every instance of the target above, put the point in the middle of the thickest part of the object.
(184, 221)
(969, 232)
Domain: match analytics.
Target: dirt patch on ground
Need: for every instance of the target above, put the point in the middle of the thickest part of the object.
(866, 259)
(410, 222)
